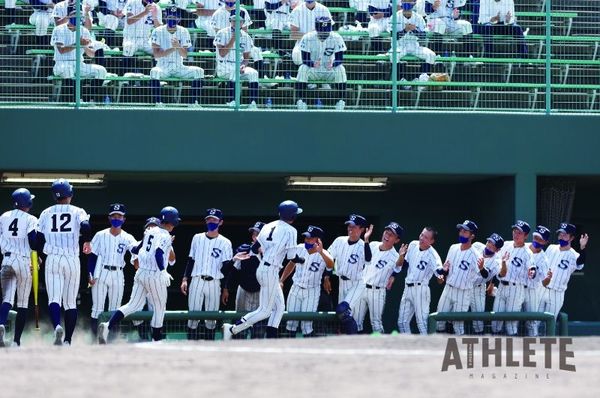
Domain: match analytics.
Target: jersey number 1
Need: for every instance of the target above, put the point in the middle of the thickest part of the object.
(270, 237)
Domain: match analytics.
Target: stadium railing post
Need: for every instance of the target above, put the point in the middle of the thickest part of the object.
(548, 56)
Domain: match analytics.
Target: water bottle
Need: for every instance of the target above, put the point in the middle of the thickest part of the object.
(107, 100)
(319, 104)
(269, 103)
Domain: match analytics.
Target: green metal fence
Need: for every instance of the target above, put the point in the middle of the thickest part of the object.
(533, 55)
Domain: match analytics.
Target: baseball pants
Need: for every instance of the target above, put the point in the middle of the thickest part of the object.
(450, 26)
(66, 70)
(477, 304)
(413, 48)
(62, 280)
(110, 283)
(271, 301)
(302, 300)
(41, 20)
(179, 71)
(351, 292)
(149, 284)
(16, 279)
(371, 299)
(552, 301)
(336, 74)
(415, 302)
(531, 303)
(205, 293)
(130, 46)
(226, 70)
(454, 300)
(508, 299)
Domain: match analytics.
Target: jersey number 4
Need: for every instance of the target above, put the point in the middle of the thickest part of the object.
(64, 227)
(13, 227)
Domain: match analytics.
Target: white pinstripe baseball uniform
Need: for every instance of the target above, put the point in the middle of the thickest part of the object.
(60, 225)
(477, 303)
(172, 64)
(535, 290)
(442, 20)
(409, 44)
(377, 26)
(41, 17)
(205, 285)
(15, 225)
(108, 273)
(204, 21)
(225, 66)
(456, 296)
(416, 297)
(306, 289)
(65, 64)
(304, 19)
(136, 36)
(322, 51)
(511, 290)
(349, 260)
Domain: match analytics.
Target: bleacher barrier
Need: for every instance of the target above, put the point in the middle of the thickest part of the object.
(547, 324)
(137, 325)
(542, 58)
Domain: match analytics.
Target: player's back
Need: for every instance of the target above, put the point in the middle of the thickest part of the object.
(276, 238)
(61, 225)
(154, 238)
(14, 227)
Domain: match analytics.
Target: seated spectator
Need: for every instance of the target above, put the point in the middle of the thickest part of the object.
(141, 18)
(111, 15)
(302, 21)
(497, 17)
(443, 18)
(380, 12)
(41, 19)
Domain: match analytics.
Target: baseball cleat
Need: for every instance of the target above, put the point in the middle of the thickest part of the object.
(301, 105)
(227, 333)
(340, 105)
(252, 105)
(103, 333)
(58, 335)
(2, 331)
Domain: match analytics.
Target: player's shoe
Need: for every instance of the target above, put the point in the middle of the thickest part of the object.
(14, 344)
(58, 335)
(403, 80)
(227, 333)
(311, 86)
(2, 332)
(301, 105)
(231, 104)
(341, 104)
(196, 105)
(252, 105)
(103, 333)
(326, 86)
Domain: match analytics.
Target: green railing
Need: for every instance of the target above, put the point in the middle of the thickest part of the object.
(545, 317)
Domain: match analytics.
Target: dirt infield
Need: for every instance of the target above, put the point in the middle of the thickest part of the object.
(363, 366)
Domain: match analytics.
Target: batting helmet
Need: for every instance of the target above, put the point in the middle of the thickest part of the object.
(323, 24)
(22, 198)
(169, 215)
(288, 210)
(61, 188)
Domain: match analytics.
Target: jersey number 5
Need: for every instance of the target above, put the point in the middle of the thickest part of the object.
(149, 245)
(66, 218)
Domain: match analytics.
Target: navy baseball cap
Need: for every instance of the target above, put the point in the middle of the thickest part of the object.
(116, 208)
(152, 220)
(214, 213)
(468, 225)
(395, 228)
(245, 248)
(497, 240)
(542, 233)
(242, 16)
(567, 228)
(522, 226)
(314, 232)
(356, 219)
(257, 226)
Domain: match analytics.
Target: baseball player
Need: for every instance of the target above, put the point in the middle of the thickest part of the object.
(109, 247)
(422, 260)
(380, 12)
(226, 62)
(535, 289)
(458, 271)
(111, 15)
(277, 14)
(378, 276)
(17, 239)
(497, 17)
(277, 240)
(563, 260)
(302, 20)
(59, 229)
(187, 18)
(361, 16)
(209, 253)
(443, 19)
(170, 44)
(142, 16)
(306, 290)
(151, 279)
(65, 9)
(513, 278)
(204, 11)
(411, 28)
(41, 18)
(322, 57)
(488, 268)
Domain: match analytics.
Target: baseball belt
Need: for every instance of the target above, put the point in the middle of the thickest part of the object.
(373, 287)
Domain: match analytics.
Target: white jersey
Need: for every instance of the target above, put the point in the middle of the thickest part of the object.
(463, 266)
(309, 274)
(402, 21)
(519, 261)
(562, 263)
(541, 266)
(162, 37)
(209, 254)
(207, 4)
(220, 19)
(491, 8)
(382, 265)
(15, 225)
(222, 38)
(492, 265)
(381, 4)
(62, 8)
(349, 257)
(278, 240)
(446, 7)
(114, 5)
(60, 225)
(304, 19)
(421, 263)
(283, 9)
(323, 51)
(154, 238)
(141, 29)
(111, 249)
(63, 35)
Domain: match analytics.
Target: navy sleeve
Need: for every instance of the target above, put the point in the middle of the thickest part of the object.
(159, 255)
(581, 258)
(32, 238)
(428, 8)
(255, 247)
(400, 34)
(272, 6)
(86, 231)
(136, 249)
(387, 12)
(91, 265)
(189, 267)
(231, 277)
(103, 7)
(339, 57)
(41, 241)
(484, 272)
(306, 59)
(368, 254)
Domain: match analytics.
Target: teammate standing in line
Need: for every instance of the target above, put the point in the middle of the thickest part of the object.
(209, 253)
(17, 240)
(535, 289)
(109, 246)
(58, 235)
